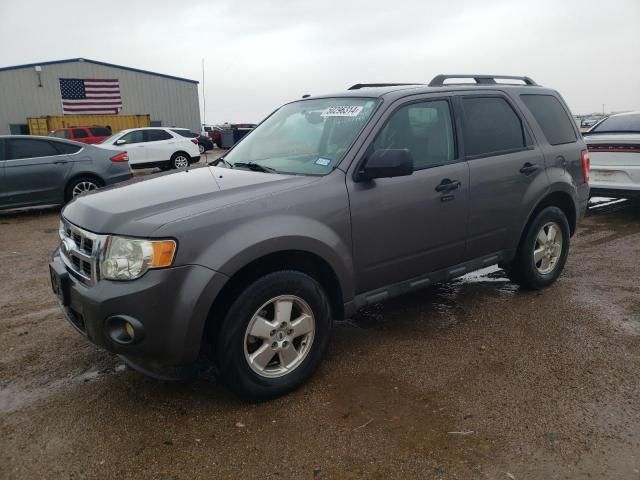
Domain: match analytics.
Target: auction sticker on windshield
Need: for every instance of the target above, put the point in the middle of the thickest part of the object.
(342, 111)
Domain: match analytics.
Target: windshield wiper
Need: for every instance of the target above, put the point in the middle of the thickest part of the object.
(256, 167)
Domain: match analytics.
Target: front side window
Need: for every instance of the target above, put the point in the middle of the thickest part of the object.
(136, 136)
(553, 119)
(157, 135)
(622, 123)
(490, 126)
(20, 148)
(309, 137)
(425, 129)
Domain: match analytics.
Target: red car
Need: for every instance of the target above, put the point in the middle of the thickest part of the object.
(90, 135)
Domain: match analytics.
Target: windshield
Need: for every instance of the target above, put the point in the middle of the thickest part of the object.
(309, 137)
(627, 123)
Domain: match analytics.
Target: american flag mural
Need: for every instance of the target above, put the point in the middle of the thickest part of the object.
(90, 96)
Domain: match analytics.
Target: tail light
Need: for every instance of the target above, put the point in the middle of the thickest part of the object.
(194, 141)
(121, 157)
(584, 158)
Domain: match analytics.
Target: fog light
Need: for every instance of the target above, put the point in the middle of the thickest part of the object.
(129, 329)
(124, 330)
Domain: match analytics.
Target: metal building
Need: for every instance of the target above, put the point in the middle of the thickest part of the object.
(34, 90)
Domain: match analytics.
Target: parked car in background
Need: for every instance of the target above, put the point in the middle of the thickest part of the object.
(204, 143)
(590, 121)
(47, 171)
(614, 150)
(333, 203)
(155, 147)
(238, 131)
(89, 135)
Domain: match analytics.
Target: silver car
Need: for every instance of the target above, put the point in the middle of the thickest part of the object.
(48, 171)
(614, 150)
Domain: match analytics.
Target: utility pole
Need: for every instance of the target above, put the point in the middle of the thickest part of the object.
(603, 109)
(204, 101)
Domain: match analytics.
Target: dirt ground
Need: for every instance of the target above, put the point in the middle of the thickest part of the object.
(473, 379)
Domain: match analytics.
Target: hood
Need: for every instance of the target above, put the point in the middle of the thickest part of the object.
(140, 206)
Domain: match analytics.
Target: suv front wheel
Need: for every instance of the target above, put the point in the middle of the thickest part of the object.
(274, 335)
(543, 250)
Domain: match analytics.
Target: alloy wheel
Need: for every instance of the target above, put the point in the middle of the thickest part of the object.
(547, 249)
(82, 187)
(279, 336)
(180, 161)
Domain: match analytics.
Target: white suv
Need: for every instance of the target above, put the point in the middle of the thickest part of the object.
(154, 147)
(614, 150)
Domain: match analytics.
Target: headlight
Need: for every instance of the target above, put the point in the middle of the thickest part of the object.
(130, 258)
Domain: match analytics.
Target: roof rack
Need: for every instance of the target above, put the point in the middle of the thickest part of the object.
(358, 86)
(438, 80)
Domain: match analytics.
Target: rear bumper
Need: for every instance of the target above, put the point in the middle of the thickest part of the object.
(615, 192)
(171, 306)
(195, 159)
(117, 178)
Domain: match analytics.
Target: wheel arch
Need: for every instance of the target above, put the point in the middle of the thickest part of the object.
(303, 261)
(560, 199)
(77, 176)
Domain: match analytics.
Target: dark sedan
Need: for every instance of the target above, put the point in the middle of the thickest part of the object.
(49, 171)
(204, 143)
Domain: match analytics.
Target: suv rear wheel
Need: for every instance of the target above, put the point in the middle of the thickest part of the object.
(274, 335)
(180, 160)
(543, 251)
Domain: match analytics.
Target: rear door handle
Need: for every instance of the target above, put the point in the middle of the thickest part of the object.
(447, 185)
(529, 168)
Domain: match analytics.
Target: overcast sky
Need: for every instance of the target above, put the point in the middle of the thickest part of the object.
(259, 53)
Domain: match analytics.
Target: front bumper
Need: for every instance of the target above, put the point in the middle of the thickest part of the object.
(171, 304)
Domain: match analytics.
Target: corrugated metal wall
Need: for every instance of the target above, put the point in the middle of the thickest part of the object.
(173, 102)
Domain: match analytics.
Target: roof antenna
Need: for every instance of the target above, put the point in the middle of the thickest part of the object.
(306, 95)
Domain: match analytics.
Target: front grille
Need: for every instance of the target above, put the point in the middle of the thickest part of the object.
(80, 251)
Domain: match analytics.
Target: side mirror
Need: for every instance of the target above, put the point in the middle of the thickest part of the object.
(120, 142)
(385, 163)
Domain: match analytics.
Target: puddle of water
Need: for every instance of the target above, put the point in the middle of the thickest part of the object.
(14, 396)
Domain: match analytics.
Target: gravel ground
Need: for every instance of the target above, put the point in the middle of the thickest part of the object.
(472, 379)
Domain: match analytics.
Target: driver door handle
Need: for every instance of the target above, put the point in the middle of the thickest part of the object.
(528, 168)
(447, 185)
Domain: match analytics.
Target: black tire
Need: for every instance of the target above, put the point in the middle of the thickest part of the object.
(77, 183)
(523, 270)
(178, 159)
(234, 368)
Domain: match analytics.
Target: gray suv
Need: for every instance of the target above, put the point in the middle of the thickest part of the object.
(332, 203)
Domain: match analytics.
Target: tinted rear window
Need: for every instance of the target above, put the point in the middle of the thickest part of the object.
(79, 133)
(628, 123)
(490, 126)
(65, 148)
(185, 133)
(553, 119)
(28, 148)
(99, 131)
